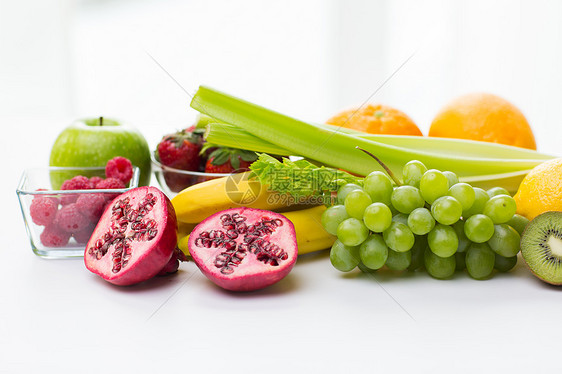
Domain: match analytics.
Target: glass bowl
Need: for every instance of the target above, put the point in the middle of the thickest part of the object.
(173, 180)
(45, 234)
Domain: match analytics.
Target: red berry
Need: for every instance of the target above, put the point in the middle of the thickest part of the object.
(79, 182)
(55, 199)
(228, 160)
(83, 236)
(180, 150)
(120, 168)
(54, 236)
(94, 181)
(110, 183)
(91, 205)
(69, 219)
(43, 210)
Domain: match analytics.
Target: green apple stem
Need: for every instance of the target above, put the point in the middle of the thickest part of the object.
(101, 121)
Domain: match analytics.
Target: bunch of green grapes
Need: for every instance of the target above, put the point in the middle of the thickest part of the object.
(429, 221)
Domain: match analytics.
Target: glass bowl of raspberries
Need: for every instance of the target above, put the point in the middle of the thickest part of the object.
(62, 205)
(184, 158)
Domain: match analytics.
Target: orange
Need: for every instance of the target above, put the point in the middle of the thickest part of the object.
(485, 117)
(376, 119)
(541, 190)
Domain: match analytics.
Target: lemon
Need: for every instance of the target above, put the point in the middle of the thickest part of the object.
(541, 190)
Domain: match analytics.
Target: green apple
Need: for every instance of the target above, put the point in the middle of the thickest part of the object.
(94, 141)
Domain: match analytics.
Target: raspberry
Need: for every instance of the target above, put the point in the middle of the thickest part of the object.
(52, 197)
(120, 168)
(110, 183)
(70, 220)
(79, 182)
(83, 236)
(53, 236)
(43, 210)
(91, 206)
(94, 181)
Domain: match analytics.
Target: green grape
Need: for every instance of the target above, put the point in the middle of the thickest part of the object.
(406, 198)
(463, 240)
(480, 198)
(398, 260)
(420, 221)
(377, 217)
(451, 178)
(443, 241)
(355, 203)
(332, 217)
(439, 267)
(413, 172)
(495, 191)
(479, 228)
(365, 269)
(446, 210)
(433, 184)
(400, 217)
(373, 252)
(518, 223)
(343, 257)
(505, 264)
(500, 208)
(460, 260)
(398, 237)
(418, 250)
(352, 232)
(344, 190)
(505, 241)
(480, 260)
(378, 186)
(464, 193)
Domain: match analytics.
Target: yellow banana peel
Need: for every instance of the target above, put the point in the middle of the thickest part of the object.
(195, 203)
(311, 236)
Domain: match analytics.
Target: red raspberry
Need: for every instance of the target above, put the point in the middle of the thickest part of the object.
(94, 181)
(54, 236)
(120, 168)
(110, 183)
(79, 182)
(52, 197)
(70, 220)
(43, 210)
(90, 205)
(83, 236)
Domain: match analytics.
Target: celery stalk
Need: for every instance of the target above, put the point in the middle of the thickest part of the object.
(335, 148)
(233, 136)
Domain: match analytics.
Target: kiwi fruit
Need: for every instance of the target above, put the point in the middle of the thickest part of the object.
(541, 247)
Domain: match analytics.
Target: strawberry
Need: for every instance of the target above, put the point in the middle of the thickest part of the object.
(181, 150)
(228, 160)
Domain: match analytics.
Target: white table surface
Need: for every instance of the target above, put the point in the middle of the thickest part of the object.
(55, 316)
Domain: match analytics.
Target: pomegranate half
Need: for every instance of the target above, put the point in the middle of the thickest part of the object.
(244, 249)
(134, 239)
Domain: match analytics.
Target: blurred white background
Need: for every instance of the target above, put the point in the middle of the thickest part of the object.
(63, 59)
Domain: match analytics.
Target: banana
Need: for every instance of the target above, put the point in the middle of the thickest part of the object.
(195, 203)
(311, 236)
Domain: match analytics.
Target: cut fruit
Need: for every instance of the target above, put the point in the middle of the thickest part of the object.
(244, 249)
(541, 247)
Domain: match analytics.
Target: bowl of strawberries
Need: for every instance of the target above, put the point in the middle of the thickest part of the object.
(184, 158)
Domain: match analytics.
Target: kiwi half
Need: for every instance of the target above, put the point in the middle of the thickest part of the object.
(541, 247)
